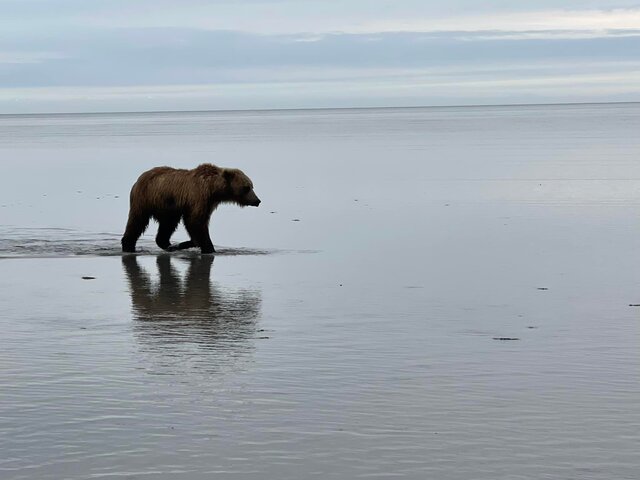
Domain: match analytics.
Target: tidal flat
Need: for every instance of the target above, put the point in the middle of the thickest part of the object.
(444, 293)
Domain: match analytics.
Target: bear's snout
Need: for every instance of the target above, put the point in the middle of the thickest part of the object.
(252, 200)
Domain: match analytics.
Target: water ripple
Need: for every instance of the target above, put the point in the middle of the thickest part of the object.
(60, 242)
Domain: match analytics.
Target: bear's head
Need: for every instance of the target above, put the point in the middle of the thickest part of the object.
(240, 188)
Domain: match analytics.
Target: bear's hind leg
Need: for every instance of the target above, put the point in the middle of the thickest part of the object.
(136, 225)
(181, 246)
(167, 225)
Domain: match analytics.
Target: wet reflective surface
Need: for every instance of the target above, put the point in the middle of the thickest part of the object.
(351, 325)
(185, 318)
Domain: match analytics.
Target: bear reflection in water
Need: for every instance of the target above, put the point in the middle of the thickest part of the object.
(186, 311)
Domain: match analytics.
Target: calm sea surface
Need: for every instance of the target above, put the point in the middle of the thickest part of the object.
(446, 293)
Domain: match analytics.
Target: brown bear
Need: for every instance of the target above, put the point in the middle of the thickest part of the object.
(170, 195)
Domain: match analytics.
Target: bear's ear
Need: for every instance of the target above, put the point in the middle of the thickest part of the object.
(229, 175)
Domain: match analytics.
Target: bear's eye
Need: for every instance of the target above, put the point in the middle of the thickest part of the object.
(246, 189)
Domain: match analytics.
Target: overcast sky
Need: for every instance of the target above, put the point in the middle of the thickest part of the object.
(124, 55)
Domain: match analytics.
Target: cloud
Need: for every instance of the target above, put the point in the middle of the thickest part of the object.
(235, 54)
(321, 16)
(544, 21)
(27, 57)
(346, 87)
(188, 56)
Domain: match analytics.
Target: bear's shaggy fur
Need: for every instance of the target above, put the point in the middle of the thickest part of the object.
(169, 195)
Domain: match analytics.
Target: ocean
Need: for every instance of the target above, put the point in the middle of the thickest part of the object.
(445, 293)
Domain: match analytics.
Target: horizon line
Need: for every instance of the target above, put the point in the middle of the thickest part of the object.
(295, 109)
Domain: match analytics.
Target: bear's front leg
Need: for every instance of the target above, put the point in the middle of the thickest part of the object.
(206, 245)
(199, 233)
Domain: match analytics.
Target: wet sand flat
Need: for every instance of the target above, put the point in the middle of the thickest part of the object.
(424, 293)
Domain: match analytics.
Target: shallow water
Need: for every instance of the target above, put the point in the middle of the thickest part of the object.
(17, 242)
(357, 341)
